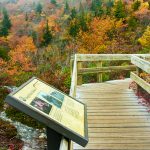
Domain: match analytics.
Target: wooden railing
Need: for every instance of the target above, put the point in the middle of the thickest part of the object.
(65, 143)
(77, 72)
(142, 66)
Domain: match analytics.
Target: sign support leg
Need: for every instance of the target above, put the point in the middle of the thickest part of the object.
(53, 139)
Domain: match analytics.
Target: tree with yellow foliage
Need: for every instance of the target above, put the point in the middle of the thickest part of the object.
(145, 39)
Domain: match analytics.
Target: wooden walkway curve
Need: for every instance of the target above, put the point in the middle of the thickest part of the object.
(116, 120)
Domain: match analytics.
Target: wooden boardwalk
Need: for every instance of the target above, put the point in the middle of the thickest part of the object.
(116, 120)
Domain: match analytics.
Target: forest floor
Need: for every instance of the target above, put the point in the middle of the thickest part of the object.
(8, 137)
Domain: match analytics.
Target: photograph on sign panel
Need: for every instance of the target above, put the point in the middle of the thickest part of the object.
(58, 95)
(50, 99)
(41, 105)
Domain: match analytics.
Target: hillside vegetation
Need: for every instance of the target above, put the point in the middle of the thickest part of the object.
(38, 37)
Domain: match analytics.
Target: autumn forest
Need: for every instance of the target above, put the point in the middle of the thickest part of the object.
(38, 38)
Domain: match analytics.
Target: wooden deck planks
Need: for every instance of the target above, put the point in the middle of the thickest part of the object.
(116, 120)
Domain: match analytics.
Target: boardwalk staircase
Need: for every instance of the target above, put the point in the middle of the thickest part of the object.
(116, 119)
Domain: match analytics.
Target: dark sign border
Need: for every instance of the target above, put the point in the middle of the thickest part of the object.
(66, 132)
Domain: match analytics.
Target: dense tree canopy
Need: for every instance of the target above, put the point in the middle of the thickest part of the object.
(40, 36)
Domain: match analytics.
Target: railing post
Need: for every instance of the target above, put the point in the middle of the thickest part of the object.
(71, 66)
(99, 75)
(138, 71)
(79, 77)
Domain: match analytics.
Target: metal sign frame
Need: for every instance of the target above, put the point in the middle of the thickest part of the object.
(50, 123)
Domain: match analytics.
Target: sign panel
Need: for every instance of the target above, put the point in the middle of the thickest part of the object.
(55, 109)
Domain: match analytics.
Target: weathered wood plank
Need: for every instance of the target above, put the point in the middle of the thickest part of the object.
(128, 140)
(141, 63)
(120, 130)
(108, 96)
(105, 94)
(106, 69)
(118, 107)
(137, 146)
(97, 104)
(115, 110)
(140, 82)
(108, 99)
(117, 135)
(127, 120)
(118, 114)
(104, 57)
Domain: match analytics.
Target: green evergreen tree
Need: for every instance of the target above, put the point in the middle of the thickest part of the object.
(4, 53)
(4, 31)
(67, 8)
(82, 18)
(47, 36)
(110, 3)
(98, 3)
(74, 28)
(81, 8)
(34, 35)
(73, 13)
(6, 24)
(39, 8)
(83, 23)
(93, 6)
(119, 12)
(96, 8)
(109, 6)
(108, 11)
(136, 5)
(132, 23)
(53, 2)
(6, 20)
(26, 17)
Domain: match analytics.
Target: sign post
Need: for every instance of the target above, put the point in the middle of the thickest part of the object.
(53, 139)
(62, 114)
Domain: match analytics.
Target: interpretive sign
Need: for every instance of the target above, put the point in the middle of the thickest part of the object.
(52, 107)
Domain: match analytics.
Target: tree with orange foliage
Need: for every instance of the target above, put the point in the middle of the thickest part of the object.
(94, 41)
(21, 56)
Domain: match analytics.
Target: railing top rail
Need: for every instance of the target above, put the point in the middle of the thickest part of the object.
(141, 63)
(107, 57)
